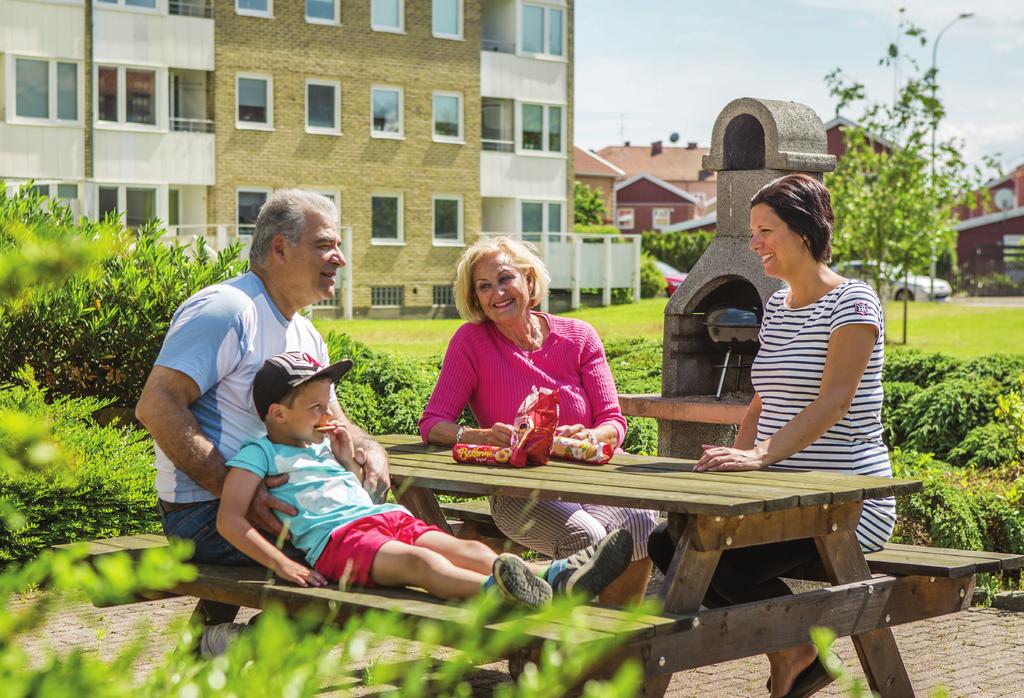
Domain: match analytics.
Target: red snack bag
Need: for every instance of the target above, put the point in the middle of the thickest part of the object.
(482, 454)
(534, 427)
(581, 450)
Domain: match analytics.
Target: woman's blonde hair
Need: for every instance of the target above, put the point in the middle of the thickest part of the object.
(521, 255)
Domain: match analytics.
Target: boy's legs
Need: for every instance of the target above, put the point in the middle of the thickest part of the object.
(400, 564)
(466, 554)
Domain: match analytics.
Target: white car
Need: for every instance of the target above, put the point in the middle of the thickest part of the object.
(915, 287)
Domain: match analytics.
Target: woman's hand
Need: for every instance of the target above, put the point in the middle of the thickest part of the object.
(576, 431)
(500, 434)
(298, 573)
(724, 458)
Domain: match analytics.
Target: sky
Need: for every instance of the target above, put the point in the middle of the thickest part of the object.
(645, 69)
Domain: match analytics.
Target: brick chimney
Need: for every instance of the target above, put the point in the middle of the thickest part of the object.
(692, 145)
(655, 148)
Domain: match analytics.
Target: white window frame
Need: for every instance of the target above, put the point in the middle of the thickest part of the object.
(623, 211)
(461, 138)
(545, 216)
(545, 129)
(444, 242)
(460, 35)
(336, 129)
(245, 12)
(383, 27)
(256, 190)
(400, 239)
(122, 124)
(401, 113)
(336, 22)
(255, 125)
(159, 198)
(544, 54)
(52, 120)
(388, 305)
(160, 7)
(667, 211)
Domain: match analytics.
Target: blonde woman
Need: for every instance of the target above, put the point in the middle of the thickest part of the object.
(492, 361)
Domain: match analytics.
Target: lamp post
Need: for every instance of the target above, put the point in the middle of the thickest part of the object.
(935, 124)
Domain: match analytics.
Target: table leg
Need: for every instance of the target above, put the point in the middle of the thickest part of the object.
(422, 502)
(879, 656)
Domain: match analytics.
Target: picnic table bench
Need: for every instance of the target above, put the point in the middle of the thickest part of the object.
(709, 513)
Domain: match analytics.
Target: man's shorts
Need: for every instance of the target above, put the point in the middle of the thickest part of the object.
(351, 550)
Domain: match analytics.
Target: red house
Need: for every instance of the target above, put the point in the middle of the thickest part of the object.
(991, 240)
(598, 174)
(645, 202)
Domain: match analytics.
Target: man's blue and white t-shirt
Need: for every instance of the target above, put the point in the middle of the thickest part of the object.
(326, 495)
(220, 338)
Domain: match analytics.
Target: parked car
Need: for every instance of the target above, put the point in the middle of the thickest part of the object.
(673, 277)
(895, 286)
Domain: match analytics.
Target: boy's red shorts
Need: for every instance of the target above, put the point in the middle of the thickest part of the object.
(352, 548)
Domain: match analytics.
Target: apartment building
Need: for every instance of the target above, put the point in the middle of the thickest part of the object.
(427, 121)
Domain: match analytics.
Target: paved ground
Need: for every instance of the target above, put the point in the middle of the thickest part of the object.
(991, 301)
(977, 653)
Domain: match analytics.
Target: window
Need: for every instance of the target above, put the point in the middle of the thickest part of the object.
(386, 105)
(386, 219)
(448, 19)
(106, 106)
(250, 201)
(444, 295)
(255, 8)
(144, 4)
(543, 30)
(497, 129)
(173, 207)
(541, 128)
(447, 220)
(387, 15)
(255, 102)
(46, 90)
(107, 200)
(67, 191)
(624, 219)
(387, 296)
(140, 206)
(322, 12)
(126, 95)
(323, 107)
(448, 117)
(539, 217)
(140, 96)
(661, 217)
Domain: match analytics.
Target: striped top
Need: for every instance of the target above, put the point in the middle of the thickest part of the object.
(484, 369)
(787, 376)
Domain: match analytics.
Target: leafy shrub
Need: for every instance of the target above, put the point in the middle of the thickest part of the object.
(897, 394)
(938, 417)
(652, 282)
(990, 285)
(917, 367)
(681, 250)
(1002, 368)
(987, 446)
(598, 229)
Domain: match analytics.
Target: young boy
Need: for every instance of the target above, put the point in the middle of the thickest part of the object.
(348, 538)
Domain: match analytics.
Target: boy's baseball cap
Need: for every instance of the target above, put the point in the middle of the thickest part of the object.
(284, 372)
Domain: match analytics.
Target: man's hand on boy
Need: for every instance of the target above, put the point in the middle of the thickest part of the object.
(298, 573)
(260, 512)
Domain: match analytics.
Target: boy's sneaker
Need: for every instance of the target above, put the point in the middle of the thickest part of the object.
(518, 583)
(216, 638)
(590, 570)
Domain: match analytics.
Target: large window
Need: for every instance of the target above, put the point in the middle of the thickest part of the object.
(386, 105)
(387, 15)
(143, 4)
(250, 201)
(386, 219)
(46, 90)
(448, 219)
(255, 8)
(322, 12)
(323, 107)
(254, 96)
(387, 296)
(624, 219)
(447, 19)
(497, 124)
(539, 217)
(543, 30)
(541, 128)
(126, 95)
(138, 204)
(660, 218)
(448, 117)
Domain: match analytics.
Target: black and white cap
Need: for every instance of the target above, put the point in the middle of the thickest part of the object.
(284, 372)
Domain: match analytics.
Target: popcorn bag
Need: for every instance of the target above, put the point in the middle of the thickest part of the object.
(534, 427)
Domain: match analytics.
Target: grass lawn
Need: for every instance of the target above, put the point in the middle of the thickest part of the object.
(960, 330)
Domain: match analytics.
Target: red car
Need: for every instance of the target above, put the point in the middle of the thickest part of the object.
(673, 277)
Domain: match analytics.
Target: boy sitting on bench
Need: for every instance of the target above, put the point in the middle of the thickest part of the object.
(349, 539)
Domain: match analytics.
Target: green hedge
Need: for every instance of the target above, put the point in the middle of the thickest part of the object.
(681, 250)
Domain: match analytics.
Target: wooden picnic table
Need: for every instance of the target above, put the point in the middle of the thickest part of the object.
(711, 513)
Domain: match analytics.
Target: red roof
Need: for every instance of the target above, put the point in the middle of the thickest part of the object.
(586, 163)
(672, 164)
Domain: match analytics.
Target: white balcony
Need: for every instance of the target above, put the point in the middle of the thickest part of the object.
(153, 38)
(526, 79)
(42, 29)
(507, 175)
(155, 157)
(42, 152)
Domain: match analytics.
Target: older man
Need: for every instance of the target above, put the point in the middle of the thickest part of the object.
(197, 401)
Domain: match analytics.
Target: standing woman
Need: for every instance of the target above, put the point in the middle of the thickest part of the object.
(491, 363)
(817, 403)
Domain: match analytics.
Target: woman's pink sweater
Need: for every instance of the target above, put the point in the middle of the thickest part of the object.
(487, 371)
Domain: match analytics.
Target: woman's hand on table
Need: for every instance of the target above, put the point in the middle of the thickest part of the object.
(724, 458)
(500, 434)
(576, 431)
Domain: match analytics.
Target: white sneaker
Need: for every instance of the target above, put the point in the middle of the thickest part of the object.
(217, 638)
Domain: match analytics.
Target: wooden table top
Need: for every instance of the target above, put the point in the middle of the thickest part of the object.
(644, 482)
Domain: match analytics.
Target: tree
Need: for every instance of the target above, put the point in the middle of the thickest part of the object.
(590, 208)
(894, 195)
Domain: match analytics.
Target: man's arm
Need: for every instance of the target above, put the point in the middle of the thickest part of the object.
(369, 454)
(163, 410)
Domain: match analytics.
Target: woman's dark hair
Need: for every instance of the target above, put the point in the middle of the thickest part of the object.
(804, 204)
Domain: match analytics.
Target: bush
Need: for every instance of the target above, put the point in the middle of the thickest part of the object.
(652, 282)
(897, 395)
(598, 229)
(989, 285)
(937, 418)
(681, 250)
(1002, 368)
(988, 446)
(917, 367)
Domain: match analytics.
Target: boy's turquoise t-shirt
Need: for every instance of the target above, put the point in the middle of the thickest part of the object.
(326, 495)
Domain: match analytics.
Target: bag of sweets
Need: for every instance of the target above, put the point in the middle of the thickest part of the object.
(534, 427)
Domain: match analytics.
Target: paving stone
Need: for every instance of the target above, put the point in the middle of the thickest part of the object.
(1009, 600)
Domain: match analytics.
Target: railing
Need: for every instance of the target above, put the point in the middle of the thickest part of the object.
(577, 261)
(191, 8)
(191, 125)
(497, 146)
(497, 46)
